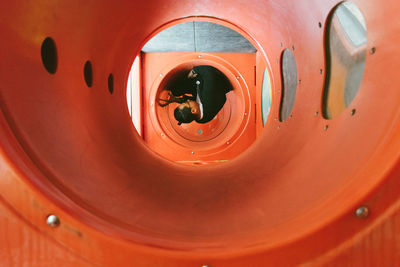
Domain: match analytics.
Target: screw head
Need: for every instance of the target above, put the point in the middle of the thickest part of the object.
(199, 56)
(373, 50)
(237, 77)
(228, 143)
(362, 212)
(192, 152)
(245, 113)
(52, 221)
(161, 74)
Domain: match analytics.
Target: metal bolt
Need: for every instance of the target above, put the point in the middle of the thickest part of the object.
(373, 50)
(237, 77)
(192, 152)
(362, 212)
(52, 221)
(245, 113)
(161, 74)
(199, 56)
(227, 143)
(326, 127)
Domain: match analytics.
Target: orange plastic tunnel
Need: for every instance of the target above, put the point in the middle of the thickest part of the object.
(79, 187)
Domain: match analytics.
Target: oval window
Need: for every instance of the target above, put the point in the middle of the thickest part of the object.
(346, 46)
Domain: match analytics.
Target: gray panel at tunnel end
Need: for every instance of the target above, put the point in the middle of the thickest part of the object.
(199, 36)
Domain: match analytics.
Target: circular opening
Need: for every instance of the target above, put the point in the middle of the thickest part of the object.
(49, 55)
(163, 80)
(111, 83)
(88, 73)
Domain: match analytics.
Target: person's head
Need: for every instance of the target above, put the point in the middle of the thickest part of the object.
(187, 112)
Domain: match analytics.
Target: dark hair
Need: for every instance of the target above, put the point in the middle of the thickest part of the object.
(184, 115)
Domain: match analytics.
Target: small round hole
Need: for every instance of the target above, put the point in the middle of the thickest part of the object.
(373, 50)
(320, 24)
(353, 112)
(88, 73)
(111, 83)
(326, 127)
(49, 55)
(316, 113)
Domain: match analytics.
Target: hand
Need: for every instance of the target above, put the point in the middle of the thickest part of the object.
(171, 99)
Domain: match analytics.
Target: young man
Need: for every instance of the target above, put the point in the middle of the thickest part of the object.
(207, 87)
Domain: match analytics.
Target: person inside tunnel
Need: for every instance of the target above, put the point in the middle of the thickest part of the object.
(201, 94)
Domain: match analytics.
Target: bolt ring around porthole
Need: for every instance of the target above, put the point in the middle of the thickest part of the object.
(238, 102)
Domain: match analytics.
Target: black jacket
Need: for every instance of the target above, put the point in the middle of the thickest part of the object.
(212, 89)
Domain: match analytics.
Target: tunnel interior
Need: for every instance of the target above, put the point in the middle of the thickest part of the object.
(68, 131)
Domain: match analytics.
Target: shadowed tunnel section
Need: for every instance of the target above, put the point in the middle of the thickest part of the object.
(77, 147)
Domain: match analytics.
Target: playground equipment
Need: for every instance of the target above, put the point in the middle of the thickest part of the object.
(79, 186)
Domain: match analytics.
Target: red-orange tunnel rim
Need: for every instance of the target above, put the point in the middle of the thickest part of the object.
(68, 140)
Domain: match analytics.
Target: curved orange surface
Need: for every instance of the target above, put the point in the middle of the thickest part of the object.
(289, 199)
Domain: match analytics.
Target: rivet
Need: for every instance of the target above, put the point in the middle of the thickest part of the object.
(227, 143)
(237, 77)
(293, 47)
(362, 212)
(373, 50)
(161, 74)
(162, 134)
(353, 112)
(316, 113)
(320, 24)
(299, 81)
(151, 104)
(321, 71)
(52, 221)
(199, 56)
(192, 152)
